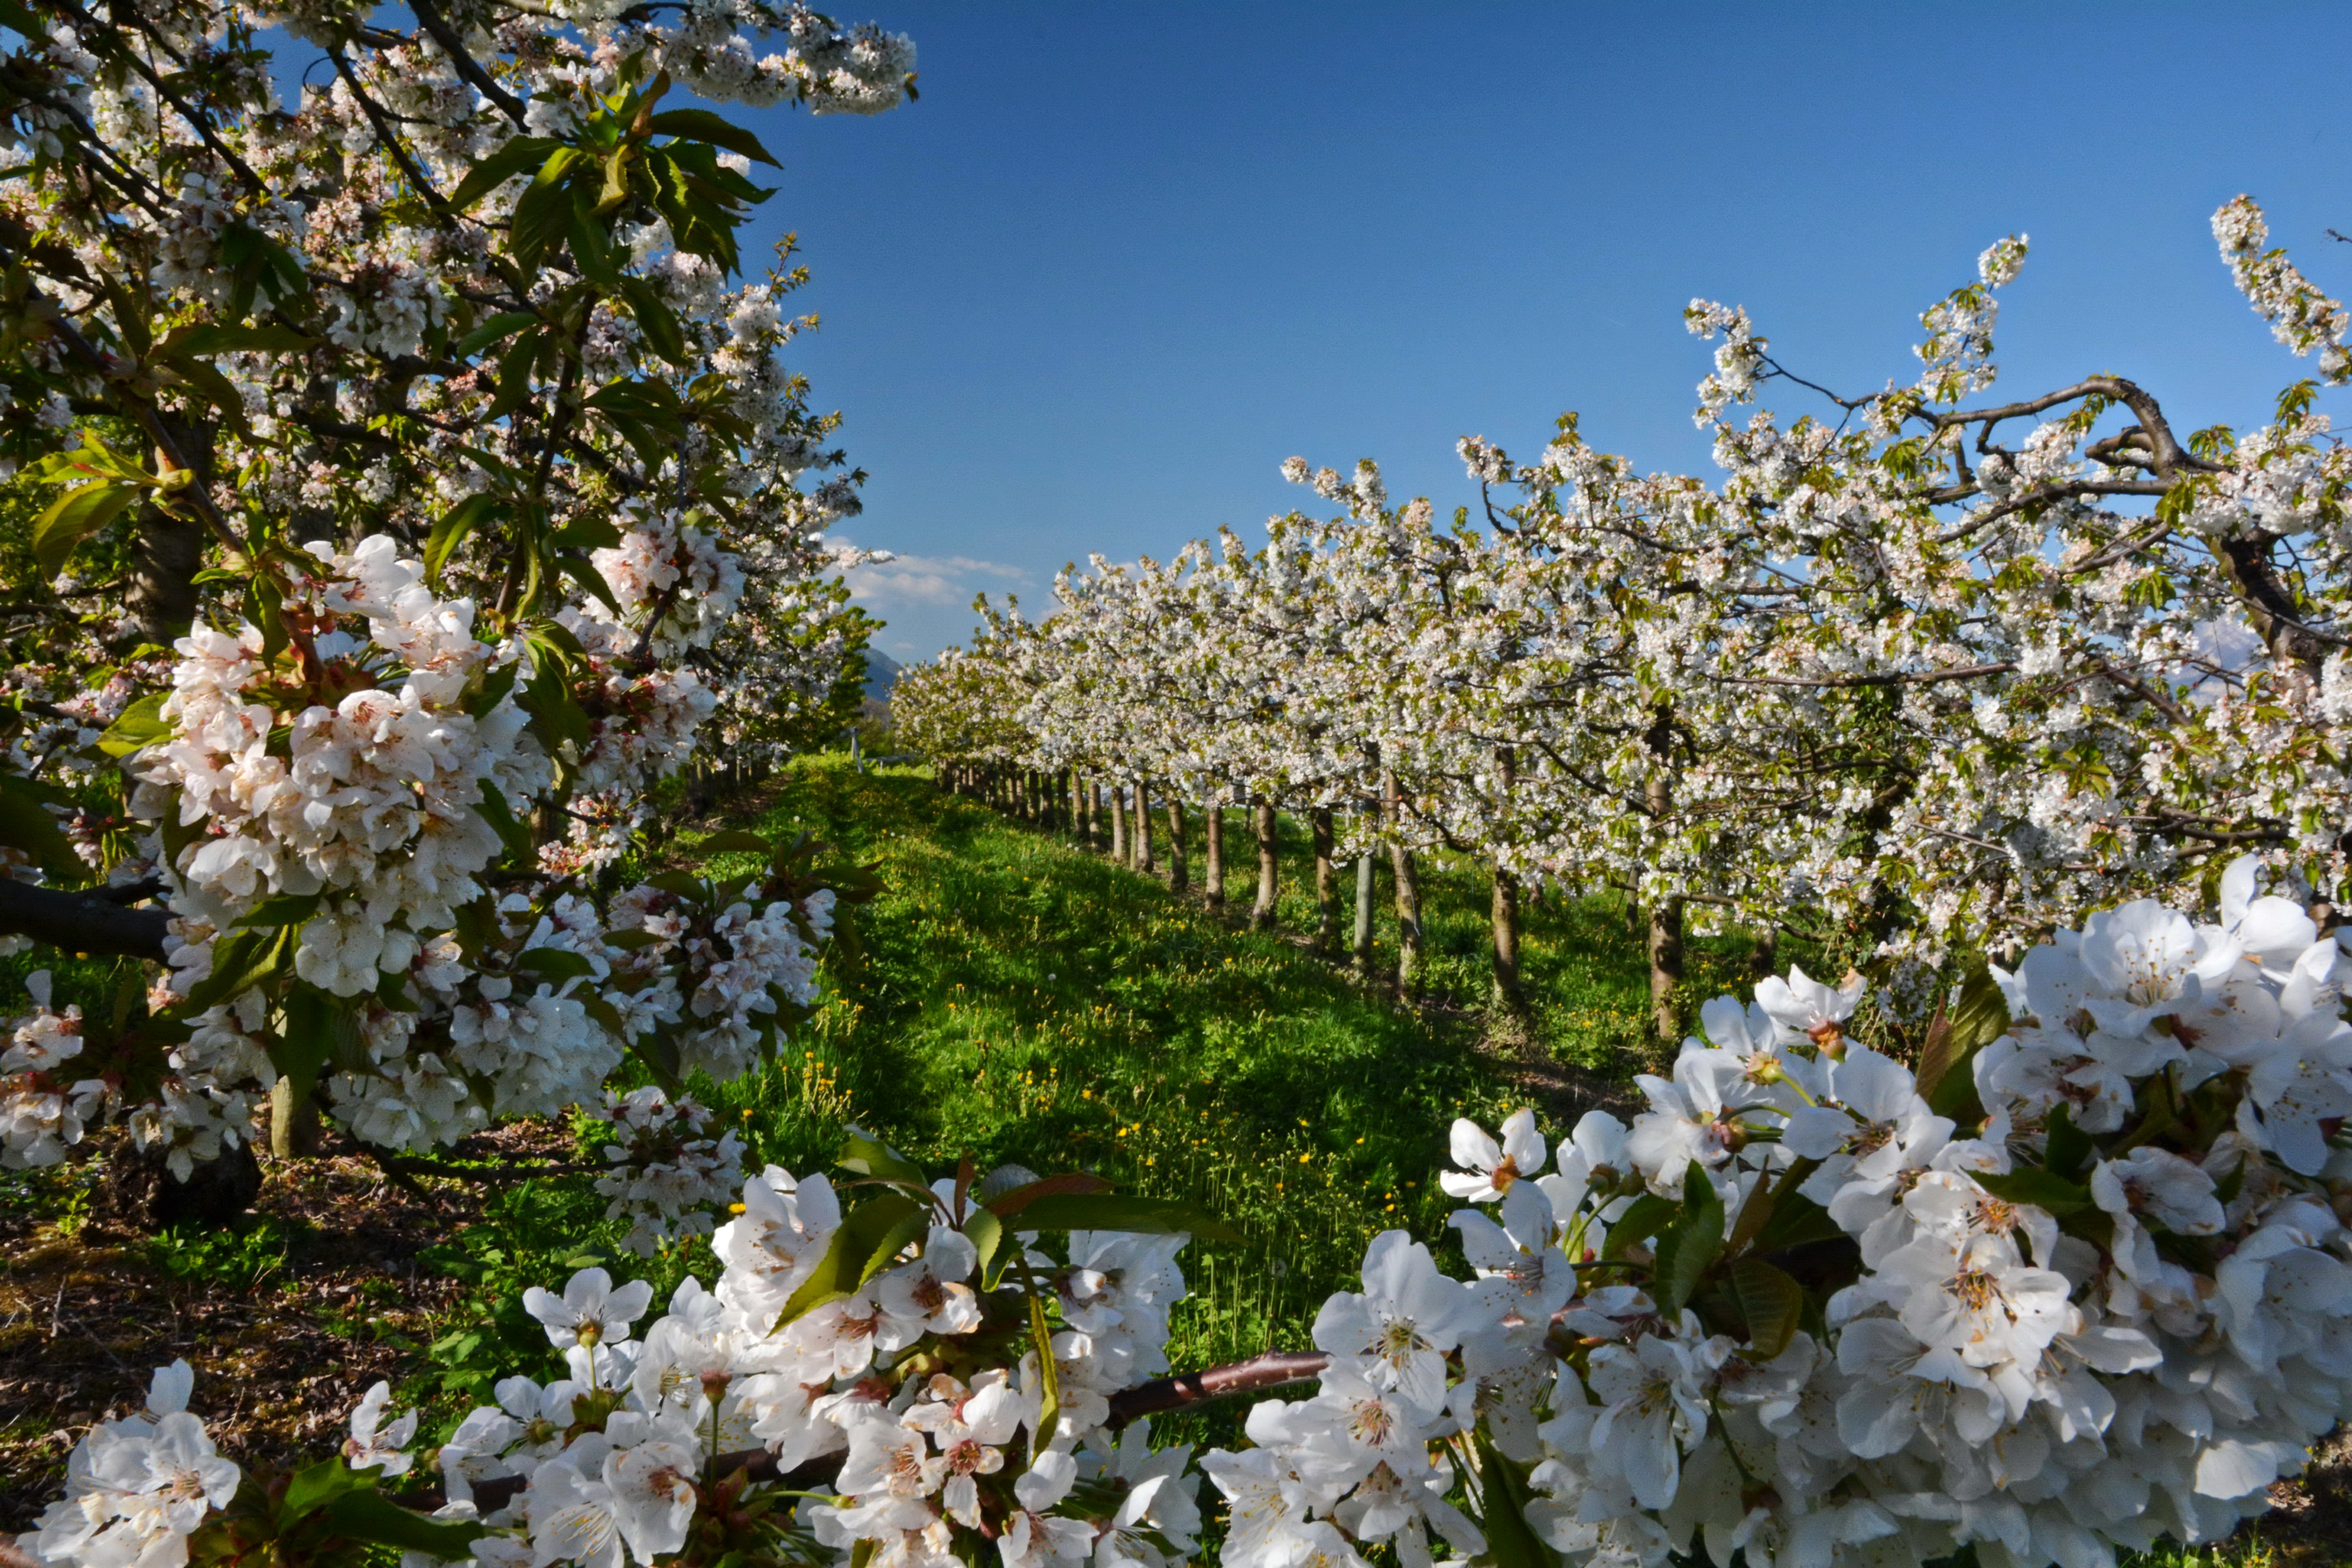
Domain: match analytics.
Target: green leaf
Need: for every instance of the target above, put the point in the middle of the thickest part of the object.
(371, 1517)
(26, 824)
(1122, 1211)
(734, 841)
(241, 960)
(1511, 1541)
(74, 517)
(503, 325)
(1049, 1382)
(894, 1241)
(2226, 1190)
(258, 337)
(586, 534)
(1690, 1243)
(842, 1269)
(1772, 1303)
(1978, 1016)
(555, 712)
(702, 125)
(314, 1487)
(523, 153)
(1797, 1220)
(501, 818)
(659, 323)
(541, 221)
(2069, 1149)
(591, 251)
(1643, 1219)
(871, 1157)
(2042, 1189)
(280, 910)
(318, 1031)
(453, 528)
(986, 1233)
(554, 963)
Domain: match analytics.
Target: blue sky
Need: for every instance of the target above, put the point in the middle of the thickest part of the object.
(1123, 259)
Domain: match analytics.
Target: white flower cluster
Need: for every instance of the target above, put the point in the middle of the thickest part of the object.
(509, 1034)
(668, 1175)
(2301, 315)
(43, 1109)
(611, 1459)
(137, 1489)
(345, 766)
(2105, 1300)
(711, 979)
(672, 576)
(641, 719)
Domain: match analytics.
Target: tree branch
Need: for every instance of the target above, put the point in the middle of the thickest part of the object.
(1275, 1369)
(81, 921)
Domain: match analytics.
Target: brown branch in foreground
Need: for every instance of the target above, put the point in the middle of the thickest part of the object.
(1273, 1370)
(84, 921)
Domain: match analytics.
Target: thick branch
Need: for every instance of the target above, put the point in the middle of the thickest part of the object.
(81, 921)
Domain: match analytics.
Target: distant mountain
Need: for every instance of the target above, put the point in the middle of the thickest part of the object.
(881, 673)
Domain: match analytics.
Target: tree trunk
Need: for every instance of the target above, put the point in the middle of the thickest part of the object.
(1363, 943)
(1262, 912)
(1509, 1002)
(1766, 958)
(294, 1131)
(1408, 892)
(1092, 800)
(1508, 1007)
(1119, 822)
(1178, 872)
(1665, 969)
(1327, 886)
(167, 552)
(1143, 862)
(1213, 828)
(1665, 913)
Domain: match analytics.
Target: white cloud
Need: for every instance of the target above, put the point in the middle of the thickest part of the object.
(929, 582)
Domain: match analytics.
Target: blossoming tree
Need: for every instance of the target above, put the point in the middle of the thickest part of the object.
(418, 480)
(1904, 674)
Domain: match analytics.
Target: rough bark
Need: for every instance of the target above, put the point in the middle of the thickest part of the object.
(1327, 885)
(1119, 822)
(167, 552)
(1262, 912)
(1092, 801)
(1178, 877)
(1408, 892)
(1213, 886)
(1665, 969)
(1365, 875)
(294, 1130)
(1766, 957)
(1142, 829)
(1507, 1005)
(1509, 1002)
(1665, 941)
